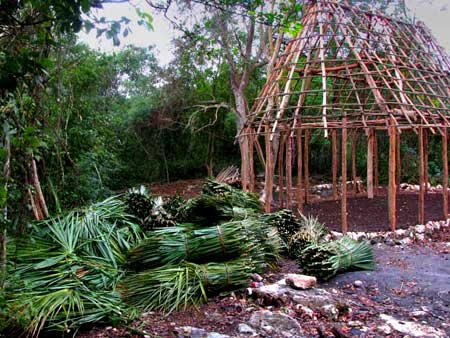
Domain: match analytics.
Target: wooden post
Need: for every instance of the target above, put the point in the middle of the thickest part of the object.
(445, 173)
(281, 172)
(251, 137)
(269, 172)
(306, 165)
(355, 188)
(344, 224)
(370, 138)
(299, 171)
(334, 163)
(398, 162)
(421, 212)
(376, 166)
(289, 171)
(244, 172)
(425, 158)
(392, 187)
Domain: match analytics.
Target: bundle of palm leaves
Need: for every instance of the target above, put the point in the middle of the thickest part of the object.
(311, 231)
(324, 260)
(138, 202)
(169, 288)
(70, 265)
(232, 196)
(286, 223)
(186, 242)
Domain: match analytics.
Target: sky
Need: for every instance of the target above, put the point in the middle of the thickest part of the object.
(434, 13)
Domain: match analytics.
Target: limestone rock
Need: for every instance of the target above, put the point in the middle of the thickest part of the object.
(268, 322)
(300, 282)
(246, 329)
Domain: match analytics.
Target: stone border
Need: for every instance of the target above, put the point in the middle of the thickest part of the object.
(401, 236)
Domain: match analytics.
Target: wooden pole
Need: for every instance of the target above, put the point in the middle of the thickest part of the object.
(244, 155)
(269, 172)
(421, 212)
(376, 166)
(445, 173)
(392, 187)
(344, 224)
(370, 164)
(281, 172)
(299, 170)
(425, 158)
(334, 163)
(398, 162)
(289, 171)
(306, 165)
(354, 178)
(251, 160)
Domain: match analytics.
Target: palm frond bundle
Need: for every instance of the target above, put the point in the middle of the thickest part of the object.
(69, 266)
(285, 221)
(159, 216)
(176, 244)
(232, 196)
(326, 259)
(311, 231)
(169, 288)
(138, 202)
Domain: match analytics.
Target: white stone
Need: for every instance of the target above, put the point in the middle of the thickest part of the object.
(246, 329)
(330, 311)
(384, 329)
(412, 329)
(420, 229)
(358, 283)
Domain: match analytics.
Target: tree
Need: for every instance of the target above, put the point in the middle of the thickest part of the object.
(243, 33)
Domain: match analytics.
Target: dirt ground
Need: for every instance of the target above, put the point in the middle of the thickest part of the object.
(364, 214)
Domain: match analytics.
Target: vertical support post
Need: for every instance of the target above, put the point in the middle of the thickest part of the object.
(251, 138)
(370, 138)
(289, 171)
(376, 166)
(306, 165)
(392, 186)
(244, 157)
(334, 162)
(354, 178)
(398, 162)
(344, 224)
(269, 172)
(445, 173)
(281, 171)
(425, 158)
(299, 170)
(421, 212)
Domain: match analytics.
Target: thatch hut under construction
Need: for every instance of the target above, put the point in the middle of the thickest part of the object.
(350, 71)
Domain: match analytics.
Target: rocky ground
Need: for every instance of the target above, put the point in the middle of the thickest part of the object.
(408, 295)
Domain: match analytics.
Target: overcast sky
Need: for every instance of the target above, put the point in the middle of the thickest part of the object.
(434, 13)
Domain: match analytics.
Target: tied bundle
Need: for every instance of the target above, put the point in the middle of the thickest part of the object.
(324, 260)
(185, 243)
(169, 288)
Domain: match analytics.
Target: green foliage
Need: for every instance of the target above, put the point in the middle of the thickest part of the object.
(69, 267)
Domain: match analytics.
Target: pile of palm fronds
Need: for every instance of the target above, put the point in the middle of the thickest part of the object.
(326, 259)
(69, 267)
(174, 256)
(138, 202)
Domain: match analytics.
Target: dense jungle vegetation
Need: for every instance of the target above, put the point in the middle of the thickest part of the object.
(79, 125)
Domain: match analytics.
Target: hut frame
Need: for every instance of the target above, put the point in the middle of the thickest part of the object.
(350, 72)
